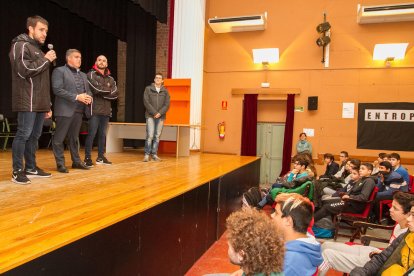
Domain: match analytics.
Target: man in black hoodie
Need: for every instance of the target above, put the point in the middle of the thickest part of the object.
(104, 90)
(30, 96)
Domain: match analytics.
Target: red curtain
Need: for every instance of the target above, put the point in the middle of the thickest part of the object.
(249, 129)
(288, 139)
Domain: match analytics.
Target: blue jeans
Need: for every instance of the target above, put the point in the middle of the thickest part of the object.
(154, 129)
(97, 123)
(25, 144)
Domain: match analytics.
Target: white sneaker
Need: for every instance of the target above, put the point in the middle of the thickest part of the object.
(146, 158)
(156, 158)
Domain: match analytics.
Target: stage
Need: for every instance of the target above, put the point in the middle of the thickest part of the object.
(119, 219)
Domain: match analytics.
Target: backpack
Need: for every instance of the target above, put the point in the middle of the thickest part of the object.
(322, 232)
(324, 228)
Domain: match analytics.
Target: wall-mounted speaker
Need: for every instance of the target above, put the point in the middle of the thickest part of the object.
(313, 103)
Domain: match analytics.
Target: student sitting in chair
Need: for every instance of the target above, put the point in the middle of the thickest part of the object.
(297, 176)
(343, 257)
(360, 188)
(396, 259)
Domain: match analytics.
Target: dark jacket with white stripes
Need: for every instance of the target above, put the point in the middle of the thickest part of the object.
(104, 91)
(30, 76)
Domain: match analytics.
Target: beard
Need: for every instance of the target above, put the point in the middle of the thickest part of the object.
(38, 40)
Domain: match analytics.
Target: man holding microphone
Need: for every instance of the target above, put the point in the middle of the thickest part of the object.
(30, 96)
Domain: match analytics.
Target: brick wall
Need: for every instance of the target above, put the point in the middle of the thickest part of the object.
(162, 45)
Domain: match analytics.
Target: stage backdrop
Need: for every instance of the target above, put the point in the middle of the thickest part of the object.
(386, 126)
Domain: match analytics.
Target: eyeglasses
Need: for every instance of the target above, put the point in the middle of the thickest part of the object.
(296, 163)
(343, 156)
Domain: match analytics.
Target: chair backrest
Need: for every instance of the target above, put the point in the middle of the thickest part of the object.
(368, 207)
(411, 184)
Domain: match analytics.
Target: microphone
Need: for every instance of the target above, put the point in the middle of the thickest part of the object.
(50, 47)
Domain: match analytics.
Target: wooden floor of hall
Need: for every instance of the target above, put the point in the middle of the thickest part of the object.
(52, 212)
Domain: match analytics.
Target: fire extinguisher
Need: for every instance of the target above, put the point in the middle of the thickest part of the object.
(221, 127)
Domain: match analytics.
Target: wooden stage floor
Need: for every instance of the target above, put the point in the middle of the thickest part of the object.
(52, 212)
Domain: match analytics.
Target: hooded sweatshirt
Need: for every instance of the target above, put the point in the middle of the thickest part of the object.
(302, 257)
(30, 76)
(104, 91)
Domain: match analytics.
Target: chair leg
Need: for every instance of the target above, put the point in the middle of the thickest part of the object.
(380, 212)
(336, 223)
(6, 139)
(355, 235)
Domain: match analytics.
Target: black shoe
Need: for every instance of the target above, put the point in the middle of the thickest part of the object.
(81, 166)
(103, 161)
(88, 162)
(38, 172)
(62, 169)
(20, 177)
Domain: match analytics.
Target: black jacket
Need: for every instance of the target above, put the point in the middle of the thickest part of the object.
(156, 102)
(361, 191)
(30, 76)
(104, 90)
(331, 169)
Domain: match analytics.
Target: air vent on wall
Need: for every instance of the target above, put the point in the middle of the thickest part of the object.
(238, 23)
(385, 13)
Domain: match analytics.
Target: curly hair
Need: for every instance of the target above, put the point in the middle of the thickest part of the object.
(256, 235)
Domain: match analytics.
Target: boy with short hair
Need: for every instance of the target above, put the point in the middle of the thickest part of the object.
(343, 257)
(331, 166)
(395, 161)
(293, 215)
(396, 259)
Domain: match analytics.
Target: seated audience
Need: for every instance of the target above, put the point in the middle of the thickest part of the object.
(396, 259)
(395, 161)
(331, 166)
(376, 163)
(343, 257)
(344, 178)
(293, 215)
(360, 189)
(325, 188)
(254, 243)
(297, 176)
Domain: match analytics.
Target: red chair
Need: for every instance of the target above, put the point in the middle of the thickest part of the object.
(351, 217)
(388, 202)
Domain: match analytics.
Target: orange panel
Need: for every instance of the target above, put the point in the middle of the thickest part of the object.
(167, 147)
(180, 91)
(177, 82)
